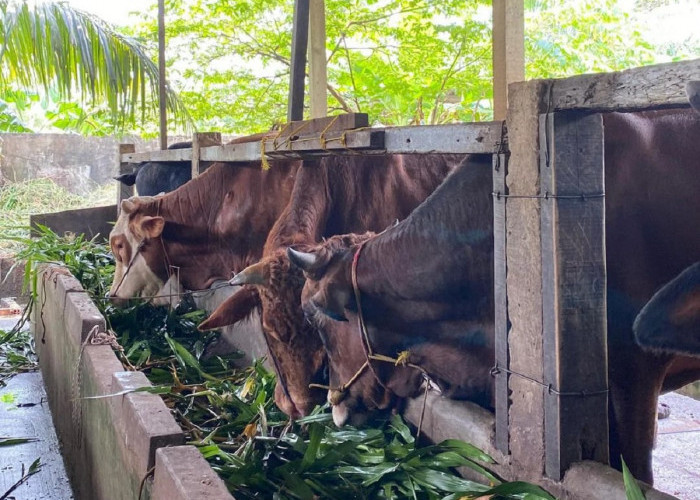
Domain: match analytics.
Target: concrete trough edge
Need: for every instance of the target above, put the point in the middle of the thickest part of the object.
(450, 419)
(109, 444)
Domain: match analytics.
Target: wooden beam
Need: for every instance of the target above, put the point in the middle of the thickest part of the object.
(162, 96)
(508, 51)
(124, 167)
(524, 281)
(201, 140)
(660, 85)
(573, 290)
(317, 59)
(297, 75)
(502, 395)
(474, 138)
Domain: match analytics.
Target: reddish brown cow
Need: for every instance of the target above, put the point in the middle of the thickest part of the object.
(652, 160)
(214, 224)
(426, 288)
(341, 194)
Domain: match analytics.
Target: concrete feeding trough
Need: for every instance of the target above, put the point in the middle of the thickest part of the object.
(111, 439)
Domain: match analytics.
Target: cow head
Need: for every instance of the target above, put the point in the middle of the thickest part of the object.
(329, 303)
(140, 267)
(294, 347)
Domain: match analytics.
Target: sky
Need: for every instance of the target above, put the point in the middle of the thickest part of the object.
(114, 12)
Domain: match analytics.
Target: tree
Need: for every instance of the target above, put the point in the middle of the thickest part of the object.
(400, 61)
(70, 53)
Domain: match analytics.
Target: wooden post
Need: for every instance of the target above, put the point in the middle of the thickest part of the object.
(508, 51)
(124, 191)
(202, 140)
(573, 290)
(162, 97)
(297, 75)
(524, 281)
(500, 301)
(317, 59)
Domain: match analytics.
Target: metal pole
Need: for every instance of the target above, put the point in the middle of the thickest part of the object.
(300, 38)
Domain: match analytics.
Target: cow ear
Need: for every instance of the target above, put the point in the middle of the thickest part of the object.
(237, 307)
(152, 227)
(252, 275)
(130, 205)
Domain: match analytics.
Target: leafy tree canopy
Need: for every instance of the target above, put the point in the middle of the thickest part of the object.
(400, 61)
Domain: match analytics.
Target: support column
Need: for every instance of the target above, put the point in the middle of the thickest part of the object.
(508, 51)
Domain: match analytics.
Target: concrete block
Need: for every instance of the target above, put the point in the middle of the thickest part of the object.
(183, 474)
(144, 421)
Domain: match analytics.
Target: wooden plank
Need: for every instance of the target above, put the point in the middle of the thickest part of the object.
(124, 167)
(199, 141)
(508, 51)
(661, 85)
(297, 75)
(162, 97)
(573, 288)
(482, 137)
(502, 395)
(327, 125)
(318, 101)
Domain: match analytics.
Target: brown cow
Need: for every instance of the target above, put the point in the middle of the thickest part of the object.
(199, 233)
(652, 162)
(439, 311)
(341, 194)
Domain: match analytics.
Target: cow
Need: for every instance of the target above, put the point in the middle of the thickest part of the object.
(670, 321)
(439, 310)
(652, 160)
(152, 177)
(340, 194)
(199, 233)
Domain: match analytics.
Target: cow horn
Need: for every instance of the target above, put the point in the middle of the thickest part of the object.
(129, 205)
(251, 275)
(304, 260)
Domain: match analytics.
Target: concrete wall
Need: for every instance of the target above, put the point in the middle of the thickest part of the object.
(108, 443)
(75, 162)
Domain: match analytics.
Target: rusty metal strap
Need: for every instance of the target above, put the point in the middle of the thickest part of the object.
(496, 370)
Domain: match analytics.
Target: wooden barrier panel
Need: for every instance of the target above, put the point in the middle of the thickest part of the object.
(573, 290)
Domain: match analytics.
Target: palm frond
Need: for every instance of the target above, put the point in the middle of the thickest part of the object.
(55, 46)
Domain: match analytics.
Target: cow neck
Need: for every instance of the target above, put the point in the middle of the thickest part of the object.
(457, 216)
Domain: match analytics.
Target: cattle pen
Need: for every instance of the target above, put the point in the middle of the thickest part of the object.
(550, 423)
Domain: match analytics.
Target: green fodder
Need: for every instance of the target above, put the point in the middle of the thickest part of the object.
(19, 200)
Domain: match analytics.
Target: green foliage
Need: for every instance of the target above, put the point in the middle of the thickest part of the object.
(632, 489)
(68, 51)
(568, 38)
(17, 355)
(400, 61)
